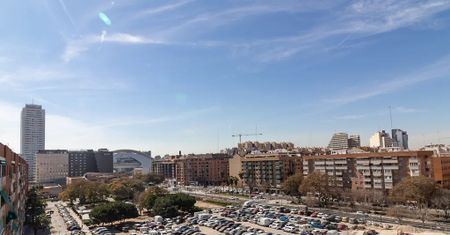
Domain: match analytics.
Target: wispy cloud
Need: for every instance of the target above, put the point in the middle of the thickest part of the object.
(133, 121)
(402, 109)
(76, 47)
(351, 117)
(439, 69)
(362, 19)
(162, 9)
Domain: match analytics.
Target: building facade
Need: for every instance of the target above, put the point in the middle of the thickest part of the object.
(202, 169)
(400, 138)
(81, 162)
(380, 139)
(127, 160)
(13, 190)
(165, 167)
(354, 141)
(379, 171)
(266, 172)
(104, 161)
(339, 141)
(32, 134)
(52, 166)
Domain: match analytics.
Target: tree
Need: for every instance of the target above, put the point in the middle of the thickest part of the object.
(318, 184)
(126, 188)
(291, 185)
(164, 206)
(113, 211)
(183, 201)
(441, 200)
(85, 191)
(418, 190)
(151, 178)
(35, 216)
(147, 199)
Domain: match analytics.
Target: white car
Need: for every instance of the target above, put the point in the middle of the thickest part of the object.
(289, 229)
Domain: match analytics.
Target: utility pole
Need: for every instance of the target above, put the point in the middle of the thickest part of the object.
(390, 115)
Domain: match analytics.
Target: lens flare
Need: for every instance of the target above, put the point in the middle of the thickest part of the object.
(104, 18)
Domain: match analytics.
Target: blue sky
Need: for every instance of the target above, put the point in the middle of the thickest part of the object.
(185, 75)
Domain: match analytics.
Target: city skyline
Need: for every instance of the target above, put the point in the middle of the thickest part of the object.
(183, 75)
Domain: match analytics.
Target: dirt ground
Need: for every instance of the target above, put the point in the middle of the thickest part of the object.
(206, 205)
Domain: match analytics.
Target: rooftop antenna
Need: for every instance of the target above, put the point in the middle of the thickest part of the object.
(390, 115)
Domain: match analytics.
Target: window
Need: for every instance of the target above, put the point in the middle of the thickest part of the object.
(3, 168)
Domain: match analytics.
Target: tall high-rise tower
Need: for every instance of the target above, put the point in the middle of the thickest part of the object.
(32, 135)
(400, 138)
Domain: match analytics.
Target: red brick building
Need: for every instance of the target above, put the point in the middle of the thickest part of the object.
(13, 189)
(202, 169)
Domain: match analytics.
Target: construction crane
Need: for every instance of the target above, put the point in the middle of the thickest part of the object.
(240, 136)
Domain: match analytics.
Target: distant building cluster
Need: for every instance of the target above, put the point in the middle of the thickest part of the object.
(53, 166)
(250, 146)
(260, 166)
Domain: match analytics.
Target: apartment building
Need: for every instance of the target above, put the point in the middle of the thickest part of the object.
(379, 171)
(52, 166)
(265, 171)
(165, 167)
(250, 146)
(202, 169)
(13, 189)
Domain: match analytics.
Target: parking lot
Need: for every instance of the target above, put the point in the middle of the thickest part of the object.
(64, 220)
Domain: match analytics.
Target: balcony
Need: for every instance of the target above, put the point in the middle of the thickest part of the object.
(390, 161)
(341, 167)
(375, 162)
(376, 173)
(362, 162)
(329, 167)
(390, 167)
(319, 163)
(378, 186)
(319, 167)
(340, 162)
(376, 168)
(367, 180)
(387, 180)
(378, 181)
(362, 168)
(338, 173)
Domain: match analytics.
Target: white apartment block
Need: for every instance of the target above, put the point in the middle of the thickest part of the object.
(52, 166)
(32, 135)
